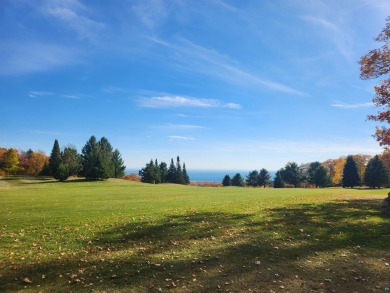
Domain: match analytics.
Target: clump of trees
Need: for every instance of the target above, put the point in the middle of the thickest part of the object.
(350, 171)
(14, 162)
(97, 161)
(156, 173)
(254, 179)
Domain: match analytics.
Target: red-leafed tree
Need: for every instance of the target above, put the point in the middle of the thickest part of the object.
(375, 64)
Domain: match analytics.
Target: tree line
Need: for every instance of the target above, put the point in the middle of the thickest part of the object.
(355, 170)
(254, 179)
(98, 160)
(156, 173)
(20, 162)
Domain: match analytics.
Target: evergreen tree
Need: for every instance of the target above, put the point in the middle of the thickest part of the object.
(350, 173)
(156, 172)
(171, 175)
(253, 179)
(376, 174)
(150, 174)
(55, 159)
(318, 175)
(264, 177)
(91, 160)
(106, 151)
(71, 161)
(118, 164)
(163, 172)
(278, 180)
(292, 174)
(227, 181)
(179, 179)
(186, 178)
(237, 180)
(62, 172)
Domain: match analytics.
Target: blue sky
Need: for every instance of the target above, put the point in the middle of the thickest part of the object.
(224, 84)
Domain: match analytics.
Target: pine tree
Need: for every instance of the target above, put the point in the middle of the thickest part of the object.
(91, 159)
(179, 173)
(186, 178)
(163, 172)
(350, 173)
(292, 174)
(150, 174)
(264, 177)
(376, 174)
(227, 181)
(278, 180)
(253, 178)
(318, 175)
(55, 159)
(237, 180)
(107, 166)
(171, 172)
(71, 161)
(118, 164)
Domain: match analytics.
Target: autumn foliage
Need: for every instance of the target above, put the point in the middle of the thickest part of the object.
(132, 177)
(14, 162)
(375, 64)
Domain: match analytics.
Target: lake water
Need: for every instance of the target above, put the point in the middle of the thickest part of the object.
(209, 175)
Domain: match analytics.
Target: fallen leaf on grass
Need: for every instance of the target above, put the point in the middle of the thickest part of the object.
(27, 281)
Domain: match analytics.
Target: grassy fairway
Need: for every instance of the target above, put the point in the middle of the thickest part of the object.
(121, 236)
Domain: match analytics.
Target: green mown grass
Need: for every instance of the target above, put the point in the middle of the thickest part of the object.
(121, 236)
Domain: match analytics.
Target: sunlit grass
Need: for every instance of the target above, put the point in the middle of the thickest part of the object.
(123, 236)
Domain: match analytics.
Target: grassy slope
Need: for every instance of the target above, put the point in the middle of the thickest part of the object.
(124, 236)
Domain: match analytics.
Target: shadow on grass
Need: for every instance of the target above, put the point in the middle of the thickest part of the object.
(330, 247)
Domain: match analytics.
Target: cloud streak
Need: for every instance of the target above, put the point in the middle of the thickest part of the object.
(345, 106)
(39, 94)
(181, 101)
(31, 57)
(69, 14)
(193, 57)
(180, 138)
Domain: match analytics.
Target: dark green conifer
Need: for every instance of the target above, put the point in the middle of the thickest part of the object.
(226, 181)
(376, 174)
(55, 159)
(350, 173)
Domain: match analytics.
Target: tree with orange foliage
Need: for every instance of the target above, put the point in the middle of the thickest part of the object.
(36, 163)
(374, 64)
(336, 167)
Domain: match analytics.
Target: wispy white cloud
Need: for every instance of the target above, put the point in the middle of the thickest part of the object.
(70, 14)
(342, 105)
(339, 34)
(178, 137)
(30, 57)
(193, 57)
(381, 6)
(151, 13)
(180, 101)
(38, 94)
(233, 106)
(35, 94)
